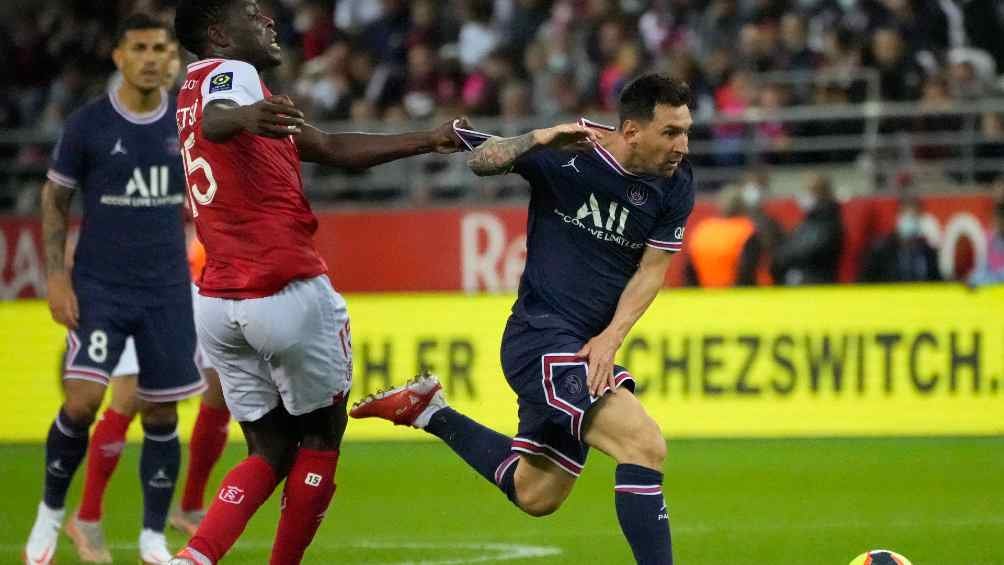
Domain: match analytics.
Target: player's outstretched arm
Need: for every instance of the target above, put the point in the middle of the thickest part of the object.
(637, 296)
(497, 155)
(55, 220)
(364, 150)
(274, 117)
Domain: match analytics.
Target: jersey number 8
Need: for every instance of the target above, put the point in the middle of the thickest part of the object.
(196, 164)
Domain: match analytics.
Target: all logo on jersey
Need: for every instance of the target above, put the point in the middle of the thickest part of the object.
(606, 223)
(220, 82)
(145, 188)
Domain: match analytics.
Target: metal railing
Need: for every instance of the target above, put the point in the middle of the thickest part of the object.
(867, 145)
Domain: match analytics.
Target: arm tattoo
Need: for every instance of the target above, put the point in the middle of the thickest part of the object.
(496, 156)
(55, 216)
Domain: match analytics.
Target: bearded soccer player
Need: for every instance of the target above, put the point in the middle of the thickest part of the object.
(608, 206)
(129, 278)
(266, 314)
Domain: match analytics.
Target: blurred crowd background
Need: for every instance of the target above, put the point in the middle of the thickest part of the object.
(816, 99)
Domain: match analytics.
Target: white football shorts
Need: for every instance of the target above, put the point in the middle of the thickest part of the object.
(293, 346)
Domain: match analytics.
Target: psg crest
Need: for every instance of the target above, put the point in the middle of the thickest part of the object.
(172, 145)
(638, 194)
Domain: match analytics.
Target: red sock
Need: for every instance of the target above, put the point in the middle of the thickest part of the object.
(245, 488)
(309, 488)
(209, 437)
(107, 442)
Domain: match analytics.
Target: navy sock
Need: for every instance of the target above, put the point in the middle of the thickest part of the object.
(484, 449)
(641, 511)
(65, 448)
(158, 471)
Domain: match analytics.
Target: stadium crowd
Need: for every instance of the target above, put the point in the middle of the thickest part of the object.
(397, 59)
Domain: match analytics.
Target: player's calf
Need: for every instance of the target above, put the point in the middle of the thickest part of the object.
(310, 485)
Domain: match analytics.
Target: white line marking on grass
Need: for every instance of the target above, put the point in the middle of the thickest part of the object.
(491, 552)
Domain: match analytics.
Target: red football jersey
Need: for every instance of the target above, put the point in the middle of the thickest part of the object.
(246, 194)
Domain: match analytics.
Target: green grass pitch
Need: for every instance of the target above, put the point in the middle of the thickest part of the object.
(732, 502)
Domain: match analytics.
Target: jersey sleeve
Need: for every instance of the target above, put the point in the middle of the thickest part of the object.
(67, 166)
(530, 164)
(667, 234)
(233, 80)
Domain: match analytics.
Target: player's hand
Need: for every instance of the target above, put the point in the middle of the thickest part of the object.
(568, 137)
(62, 300)
(444, 137)
(599, 354)
(276, 117)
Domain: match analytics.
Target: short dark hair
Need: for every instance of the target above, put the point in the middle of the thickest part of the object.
(140, 20)
(640, 97)
(192, 20)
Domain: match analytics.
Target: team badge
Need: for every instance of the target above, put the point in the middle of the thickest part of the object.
(638, 195)
(231, 494)
(172, 146)
(222, 81)
(573, 386)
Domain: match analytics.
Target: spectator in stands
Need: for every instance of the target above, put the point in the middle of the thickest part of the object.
(811, 253)
(991, 269)
(795, 53)
(899, 75)
(477, 38)
(325, 89)
(385, 38)
(905, 254)
(317, 27)
(724, 249)
(755, 190)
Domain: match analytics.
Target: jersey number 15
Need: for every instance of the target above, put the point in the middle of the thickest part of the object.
(193, 165)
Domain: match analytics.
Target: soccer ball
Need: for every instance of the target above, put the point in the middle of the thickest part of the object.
(880, 557)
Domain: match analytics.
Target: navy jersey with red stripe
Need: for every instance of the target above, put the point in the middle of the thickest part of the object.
(589, 223)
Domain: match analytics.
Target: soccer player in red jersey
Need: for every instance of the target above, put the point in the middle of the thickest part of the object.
(266, 315)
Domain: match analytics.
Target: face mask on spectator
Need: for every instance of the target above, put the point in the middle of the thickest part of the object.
(752, 195)
(806, 202)
(908, 225)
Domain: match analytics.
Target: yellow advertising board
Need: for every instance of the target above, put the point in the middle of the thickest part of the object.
(833, 361)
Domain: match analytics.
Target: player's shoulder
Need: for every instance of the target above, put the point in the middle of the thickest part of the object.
(233, 69)
(89, 117)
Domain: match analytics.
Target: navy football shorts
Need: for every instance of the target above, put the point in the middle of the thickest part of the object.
(165, 347)
(550, 381)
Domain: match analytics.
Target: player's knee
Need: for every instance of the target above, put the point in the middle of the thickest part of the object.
(646, 446)
(81, 406)
(159, 414)
(279, 454)
(538, 503)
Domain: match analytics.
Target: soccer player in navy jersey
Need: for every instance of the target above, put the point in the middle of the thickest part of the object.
(130, 278)
(608, 208)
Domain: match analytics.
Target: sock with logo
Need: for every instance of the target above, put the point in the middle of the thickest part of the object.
(310, 486)
(158, 471)
(641, 511)
(484, 449)
(65, 448)
(107, 442)
(209, 437)
(245, 488)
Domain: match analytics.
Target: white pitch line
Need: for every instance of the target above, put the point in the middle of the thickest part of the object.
(496, 551)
